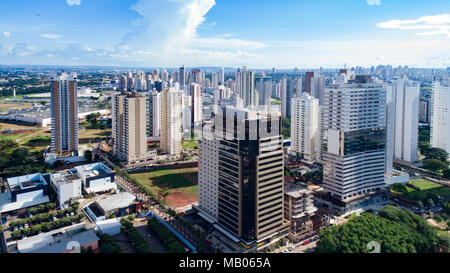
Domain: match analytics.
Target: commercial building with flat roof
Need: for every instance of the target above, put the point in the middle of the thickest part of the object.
(96, 177)
(67, 185)
(24, 191)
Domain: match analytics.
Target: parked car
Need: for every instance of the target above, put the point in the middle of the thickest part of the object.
(26, 226)
(291, 248)
(16, 228)
(305, 242)
(286, 251)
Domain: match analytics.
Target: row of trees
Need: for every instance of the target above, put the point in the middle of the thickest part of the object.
(44, 217)
(46, 226)
(397, 231)
(166, 237)
(108, 244)
(139, 242)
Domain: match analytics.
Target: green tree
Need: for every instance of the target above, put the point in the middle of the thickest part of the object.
(434, 164)
(396, 230)
(88, 155)
(286, 127)
(436, 153)
(420, 204)
(399, 188)
(446, 173)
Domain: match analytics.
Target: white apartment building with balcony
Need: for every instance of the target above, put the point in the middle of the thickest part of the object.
(305, 130)
(406, 119)
(171, 121)
(440, 116)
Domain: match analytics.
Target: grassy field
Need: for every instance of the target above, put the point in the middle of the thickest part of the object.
(428, 189)
(424, 184)
(12, 137)
(37, 142)
(92, 135)
(12, 126)
(182, 184)
(190, 144)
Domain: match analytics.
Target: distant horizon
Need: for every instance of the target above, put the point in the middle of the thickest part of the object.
(212, 67)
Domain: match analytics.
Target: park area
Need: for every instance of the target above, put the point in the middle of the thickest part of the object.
(422, 190)
(181, 183)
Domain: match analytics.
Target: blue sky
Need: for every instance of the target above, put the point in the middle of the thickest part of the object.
(232, 33)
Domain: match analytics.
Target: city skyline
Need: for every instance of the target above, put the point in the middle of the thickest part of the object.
(206, 33)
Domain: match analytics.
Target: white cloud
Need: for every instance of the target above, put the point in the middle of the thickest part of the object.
(172, 33)
(373, 2)
(426, 25)
(51, 36)
(5, 34)
(73, 2)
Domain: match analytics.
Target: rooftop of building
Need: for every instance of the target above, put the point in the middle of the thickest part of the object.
(44, 111)
(92, 170)
(65, 176)
(296, 190)
(26, 182)
(116, 201)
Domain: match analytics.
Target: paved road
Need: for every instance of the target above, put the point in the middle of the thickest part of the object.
(301, 249)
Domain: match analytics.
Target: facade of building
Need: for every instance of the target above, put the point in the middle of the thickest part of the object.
(264, 88)
(355, 159)
(208, 175)
(171, 121)
(308, 77)
(247, 90)
(440, 116)
(305, 128)
(424, 111)
(222, 76)
(196, 104)
(318, 88)
(96, 177)
(67, 185)
(406, 119)
(153, 114)
(298, 210)
(250, 176)
(64, 113)
(129, 133)
(182, 77)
